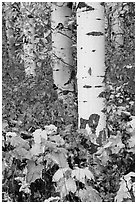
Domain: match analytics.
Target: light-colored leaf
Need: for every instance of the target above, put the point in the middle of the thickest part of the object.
(21, 153)
(11, 134)
(69, 185)
(81, 174)
(44, 134)
(17, 141)
(4, 125)
(33, 172)
(36, 149)
(37, 137)
(125, 186)
(51, 129)
(59, 174)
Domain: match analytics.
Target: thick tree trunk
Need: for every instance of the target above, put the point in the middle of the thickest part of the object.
(91, 66)
(28, 46)
(61, 45)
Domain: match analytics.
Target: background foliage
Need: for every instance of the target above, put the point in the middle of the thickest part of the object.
(45, 157)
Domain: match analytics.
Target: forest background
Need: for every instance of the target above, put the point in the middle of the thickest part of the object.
(46, 156)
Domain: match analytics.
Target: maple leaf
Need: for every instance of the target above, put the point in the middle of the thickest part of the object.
(17, 141)
(36, 149)
(21, 153)
(80, 174)
(60, 174)
(38, 135)
(65, 186)
(60, 158)
(33, 171)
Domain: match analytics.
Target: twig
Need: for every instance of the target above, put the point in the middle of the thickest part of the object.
(62, 60)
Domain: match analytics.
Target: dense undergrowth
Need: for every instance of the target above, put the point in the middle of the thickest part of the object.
(45, 156)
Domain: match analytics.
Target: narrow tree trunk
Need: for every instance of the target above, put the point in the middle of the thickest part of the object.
(28, 46)
(10, 30)
(91, 67)
(115, 9)
(61, 45)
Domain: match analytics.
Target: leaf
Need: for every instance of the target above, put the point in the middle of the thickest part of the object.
(116, 144)
(104, 157)
(21, 153)
(36, 149)
(59, 174)
(44, 134)
(11, 134)
(81, 174)
(69, 185)
(57, 139)
(131, 143)
(36, 136)
(52, 199)
(4, 126)
(4, 166)
(33, 172)
(89, 195)
(59, 158)
(123, 192)
(51, 129)
(17, 141)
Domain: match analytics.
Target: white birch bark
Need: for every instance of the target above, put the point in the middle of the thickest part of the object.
(90, 64)
(61, 45)
(28, 45)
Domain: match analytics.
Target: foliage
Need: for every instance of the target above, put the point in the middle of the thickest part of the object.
(45, 157)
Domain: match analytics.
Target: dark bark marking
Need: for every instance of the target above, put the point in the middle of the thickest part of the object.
(90, 71)
(102, 3)
(60, 26)
(98, 19)
(87, 86)
(84, 101)
(98, 86)
(95, 33)
(83, 123)
(93, 50)
(70, 4)
(93, 121)
(84, 5)
(101, 76)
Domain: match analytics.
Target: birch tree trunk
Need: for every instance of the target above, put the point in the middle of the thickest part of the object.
(61, 45)
(28, 45)
(90, 66)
